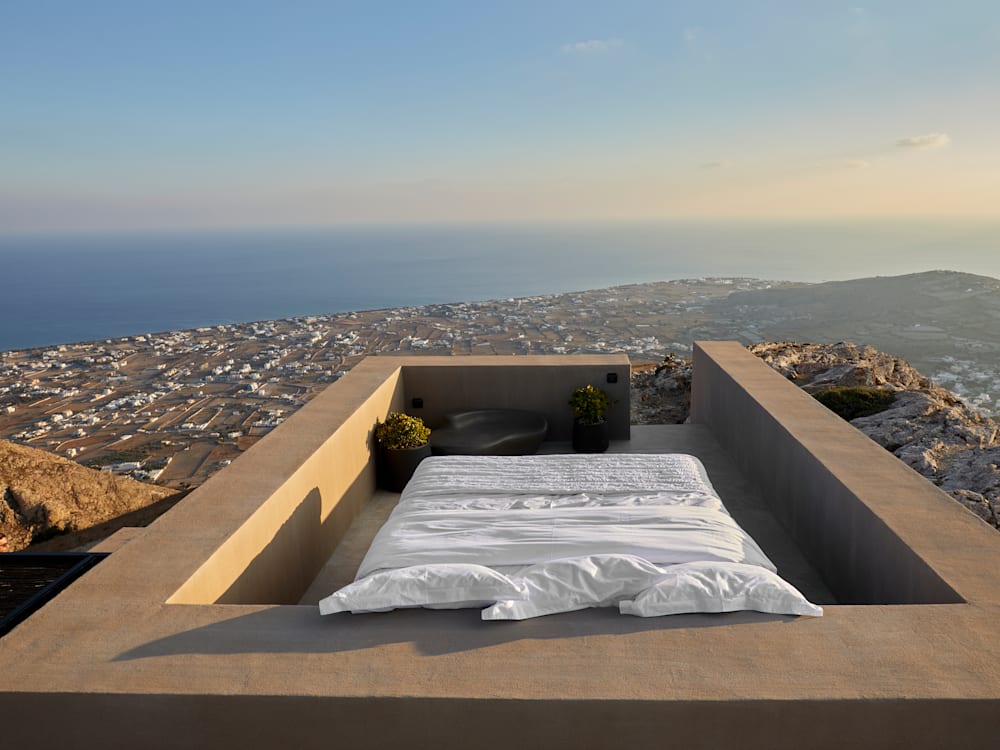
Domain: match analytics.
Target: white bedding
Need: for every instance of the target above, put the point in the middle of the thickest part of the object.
(666, 535)
(563, 528)
(561, 474)
(497, 511)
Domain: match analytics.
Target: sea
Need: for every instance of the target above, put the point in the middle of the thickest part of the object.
(62, 288)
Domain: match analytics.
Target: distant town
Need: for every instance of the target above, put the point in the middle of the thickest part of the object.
(174, 407)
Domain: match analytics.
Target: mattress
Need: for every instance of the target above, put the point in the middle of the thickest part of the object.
(506, 512)
(524, 518)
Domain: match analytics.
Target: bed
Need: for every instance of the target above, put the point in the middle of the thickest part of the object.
(524, 536)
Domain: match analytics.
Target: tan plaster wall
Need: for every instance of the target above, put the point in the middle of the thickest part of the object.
(322, 459)
(536, 383)
(215, 722)
(878, 531)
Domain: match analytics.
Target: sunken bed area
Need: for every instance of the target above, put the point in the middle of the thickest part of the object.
(740, 497)
(203, 630)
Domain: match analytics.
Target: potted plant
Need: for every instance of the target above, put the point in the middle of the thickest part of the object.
(402, 445)
(590, 427)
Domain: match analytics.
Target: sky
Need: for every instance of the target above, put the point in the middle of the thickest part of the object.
(148, 115)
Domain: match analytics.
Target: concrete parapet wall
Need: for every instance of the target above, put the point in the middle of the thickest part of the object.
(305, 483)
(307, 723)
(536, 383)
(859, 514)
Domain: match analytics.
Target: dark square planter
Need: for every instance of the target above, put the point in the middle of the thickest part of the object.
(393, 468)
(590, 438)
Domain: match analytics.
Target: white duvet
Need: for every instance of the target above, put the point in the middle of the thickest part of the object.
(661, 534)
(513, 511)
(526, 536)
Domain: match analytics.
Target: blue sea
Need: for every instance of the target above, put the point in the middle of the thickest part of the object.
(66, 288)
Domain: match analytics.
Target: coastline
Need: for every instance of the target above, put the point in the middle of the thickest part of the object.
(85, 286)
(173, 407)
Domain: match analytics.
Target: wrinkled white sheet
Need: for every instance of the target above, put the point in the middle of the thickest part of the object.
(580, 500)
(510, 511)
(661, 534)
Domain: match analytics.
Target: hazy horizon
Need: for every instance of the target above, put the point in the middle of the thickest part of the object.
(124, 117)
(87, 286)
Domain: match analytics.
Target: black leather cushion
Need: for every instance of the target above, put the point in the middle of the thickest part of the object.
(489, 432)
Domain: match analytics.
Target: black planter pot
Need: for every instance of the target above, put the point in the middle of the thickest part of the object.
(393, 468)
(590, 438)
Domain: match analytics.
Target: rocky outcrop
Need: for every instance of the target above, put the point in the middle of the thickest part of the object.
(814, 367)
(662, 395)
(927, 427)
(42, 495)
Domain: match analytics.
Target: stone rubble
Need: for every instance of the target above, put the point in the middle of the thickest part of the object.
(662, 395)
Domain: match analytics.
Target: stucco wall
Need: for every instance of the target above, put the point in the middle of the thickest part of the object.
(539, 384)
(842, 502)
(307, 480)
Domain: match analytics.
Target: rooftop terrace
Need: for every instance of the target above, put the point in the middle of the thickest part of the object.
(201, 631)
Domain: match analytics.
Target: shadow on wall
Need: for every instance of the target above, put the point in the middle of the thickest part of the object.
(282, 571)
(303, 630)
(275, 575)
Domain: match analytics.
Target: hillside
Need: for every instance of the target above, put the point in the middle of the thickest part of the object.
(926, 426)
(965, 304)
(943, 322)
(42, 495)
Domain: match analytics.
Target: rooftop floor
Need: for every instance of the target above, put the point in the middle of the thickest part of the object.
(742, 499)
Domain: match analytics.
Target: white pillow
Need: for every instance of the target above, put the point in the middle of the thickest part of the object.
(719, 587)
(436, 586)
(576, 583)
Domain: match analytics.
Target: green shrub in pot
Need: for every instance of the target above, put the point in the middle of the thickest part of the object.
(590, 404)
(400, 431)
(590, 428)
(402, 444)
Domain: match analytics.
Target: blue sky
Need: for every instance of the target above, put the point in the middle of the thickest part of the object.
(141, 114)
